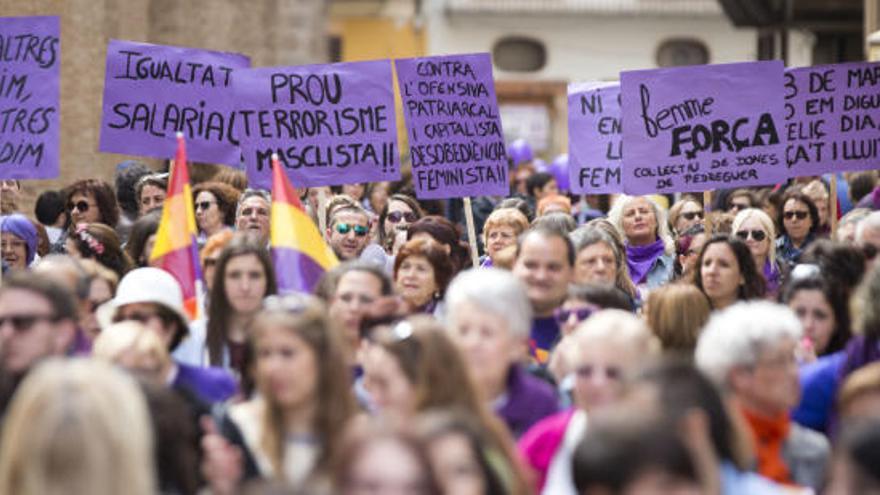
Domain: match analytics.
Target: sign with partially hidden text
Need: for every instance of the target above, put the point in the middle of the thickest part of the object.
(151, 92)
(455, 138)
(832, 118)
(330, 124)
(703, 127)
(30, 51)
(595, 138)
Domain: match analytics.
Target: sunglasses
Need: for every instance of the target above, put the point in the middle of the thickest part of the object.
(82, 206)
(692, 215)
(397, 216)
(204, 205)
(563, 315)
(23, 323)
(138, 317)
(799, 214)
(757, 235)
(738, 206)
(359, 230)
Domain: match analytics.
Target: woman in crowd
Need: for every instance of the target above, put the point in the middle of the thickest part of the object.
(210, 254)
(649, 245)
(447, 234)
(749, 350)
(91, 201)
(18, 241)
(142, 238)
(293, 426)
(422, 270)
(756, 229)
(799, 219)
(215, 204)
(676, 313)
(489, 318)
(376, 458)
(502, 228)
(77, 426)
(822, 310)
(150, 192)
(687, 249)
(102, 283)
(459, 453)
(600, 258)
(739, 200)
(726, 272)
(603, 352)
(399, 213)
(243, 277)
(818, 192)
(98, 242)
(684, 214)
(415, 367)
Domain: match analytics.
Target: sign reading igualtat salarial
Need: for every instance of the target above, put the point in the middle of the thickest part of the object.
(703, 127)
(329, 124)
(30, 54)
(455, 138)
(595, 138)
(832, 118)
(151, 92)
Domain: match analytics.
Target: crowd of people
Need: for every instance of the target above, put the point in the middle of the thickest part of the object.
(599, 345)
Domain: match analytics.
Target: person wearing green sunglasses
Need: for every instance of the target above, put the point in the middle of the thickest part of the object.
(348, 231)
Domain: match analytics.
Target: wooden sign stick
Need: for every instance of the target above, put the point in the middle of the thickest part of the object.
(472, 231)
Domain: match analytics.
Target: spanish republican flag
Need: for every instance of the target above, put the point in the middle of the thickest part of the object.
(176, 249)
(300, 254)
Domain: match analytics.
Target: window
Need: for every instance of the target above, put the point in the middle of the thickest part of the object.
(519, 54)
(682, 51)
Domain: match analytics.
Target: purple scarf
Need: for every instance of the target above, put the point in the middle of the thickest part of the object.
(640, 259)
(771, 275)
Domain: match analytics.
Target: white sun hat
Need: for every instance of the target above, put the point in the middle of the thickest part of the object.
(145, 285)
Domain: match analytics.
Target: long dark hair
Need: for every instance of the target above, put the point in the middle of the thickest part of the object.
(754, 286)
(219, 309)
(104, 198)
(811, 207)
(403, 198)
(836, 298)
(444, 232)
(141, 230)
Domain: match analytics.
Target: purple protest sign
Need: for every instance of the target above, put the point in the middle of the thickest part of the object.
(703, 127)
(455, 138)
(831, 118)
(153, 91)
(29, 93)
(595, 138)
(330, 124)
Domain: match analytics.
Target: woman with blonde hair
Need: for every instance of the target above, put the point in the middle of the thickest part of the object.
(293, 425)
(676, 313)
(500, 231)
(77, 426)
(757, 230)
(649, 246)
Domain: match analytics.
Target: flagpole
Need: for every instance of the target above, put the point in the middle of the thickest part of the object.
(322, 214)
(472, 231)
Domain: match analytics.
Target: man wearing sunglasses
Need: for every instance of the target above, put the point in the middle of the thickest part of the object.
(348, 230)
(37, 321)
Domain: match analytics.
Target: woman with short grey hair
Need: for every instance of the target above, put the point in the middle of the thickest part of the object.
(750, 349)
(489, 318)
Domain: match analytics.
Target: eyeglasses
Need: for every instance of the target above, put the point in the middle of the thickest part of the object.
(757, 235)
(82, 206)
(204, 205)
(799, 214)
(24, 322)
(588, 370)
(397, 216)
(563, 315)
(344, 228)
(690, 215)
(209, 262)
(738, 206)
(138, 317)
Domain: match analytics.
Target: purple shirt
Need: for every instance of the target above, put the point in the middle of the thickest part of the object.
(527, 400)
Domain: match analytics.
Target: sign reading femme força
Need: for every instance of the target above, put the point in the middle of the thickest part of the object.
(832, 118)
(151, 92)
(455, 137)
(329, 124)
(29, 94)
(725, 130)
(595, 138)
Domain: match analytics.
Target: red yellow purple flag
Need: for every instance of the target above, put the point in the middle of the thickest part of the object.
(300, 254)
(176, 248)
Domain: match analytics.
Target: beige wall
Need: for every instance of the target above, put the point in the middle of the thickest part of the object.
(271, 32)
